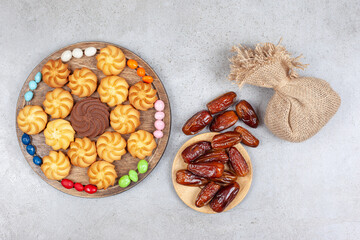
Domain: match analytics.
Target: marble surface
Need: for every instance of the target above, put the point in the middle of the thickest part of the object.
(308, 190)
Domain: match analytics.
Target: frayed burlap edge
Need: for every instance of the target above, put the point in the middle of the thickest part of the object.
(247, 60)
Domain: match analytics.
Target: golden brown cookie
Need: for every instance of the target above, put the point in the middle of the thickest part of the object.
(141, 144)
(32, 119)
(82, 152)
(102, 174)
(58, 134)
(124, 119)
(82, 82)
(111, 60)
(55, 73)
(113, 90)
(142, 96)
(58, 103)
(111, 146)
(56, 165)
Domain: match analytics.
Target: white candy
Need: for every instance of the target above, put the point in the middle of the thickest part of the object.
(66, 56)
(77, 53)
(90, 51)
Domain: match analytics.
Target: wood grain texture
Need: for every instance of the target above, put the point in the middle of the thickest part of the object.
(188, 194)
(127, 162)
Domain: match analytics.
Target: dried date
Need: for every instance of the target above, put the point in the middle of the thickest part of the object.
(218, 155)
(207, 170)
(247, 138)
(221, 103)
(227, 178)
(225, 140)
(224, 197)
(223, 121)
(197, 123)
(184, 177)
(247, 114)
(237, 162)
(206, 194)
(195, 150)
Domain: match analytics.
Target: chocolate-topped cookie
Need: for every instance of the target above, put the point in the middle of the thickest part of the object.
(90, 117)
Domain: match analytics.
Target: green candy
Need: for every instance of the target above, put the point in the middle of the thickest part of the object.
(124, 181)
(142, 166)
(133, 175)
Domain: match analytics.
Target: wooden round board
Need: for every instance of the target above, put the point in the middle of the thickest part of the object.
(127, 162)
(188, 194)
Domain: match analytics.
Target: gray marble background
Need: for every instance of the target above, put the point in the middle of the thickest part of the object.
(308, 190)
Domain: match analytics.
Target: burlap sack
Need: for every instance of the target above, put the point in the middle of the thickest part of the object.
(300, 106)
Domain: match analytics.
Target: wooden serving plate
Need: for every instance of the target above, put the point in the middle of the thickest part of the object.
(188, 194)
(127, 162)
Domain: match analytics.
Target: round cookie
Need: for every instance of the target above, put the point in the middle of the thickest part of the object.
(142, 96)
(56, 165)
(55, 73)
(82, 82)
(141, 144)
(124, 119)
(90, 117)
(102, 174)
(58, 103)
(58, 134)
(82, 152)
(32, 119)
(111, 60)
(111, 146)
(113, 90)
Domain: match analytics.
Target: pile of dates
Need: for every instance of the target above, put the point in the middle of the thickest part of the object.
(219, 118)
(206, 168)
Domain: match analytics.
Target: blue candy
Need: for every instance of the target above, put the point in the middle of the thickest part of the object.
(32, 85)
(25, 139)
(30, 149)
(38, 77)
(28, 96)
(37, 160)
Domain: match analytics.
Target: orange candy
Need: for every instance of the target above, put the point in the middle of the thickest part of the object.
(147, 79)
(132, 64)
(140, 71)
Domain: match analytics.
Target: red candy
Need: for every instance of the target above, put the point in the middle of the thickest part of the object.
(90, 189)
(79, 187)
(67, 183)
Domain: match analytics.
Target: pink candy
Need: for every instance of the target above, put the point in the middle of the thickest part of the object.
(158, 134)
(159, 115)
(159, 125)
(159, 105)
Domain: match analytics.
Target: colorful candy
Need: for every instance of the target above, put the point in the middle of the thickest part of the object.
(159, 115)
(77, 53)
(132, 64)
(30, 149)
(158, 134)
(79, 187)
(66, 56)
(28, 96)
(159, 125)
(32, 85)
(90, 189)
(38, 77)
(67, 183)
(148, 79)
(140, 72)
(37, 160)
(159, 105)
(90, 51)
(133, 176)
(124, 181)
(25, 139)
(142, 166)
